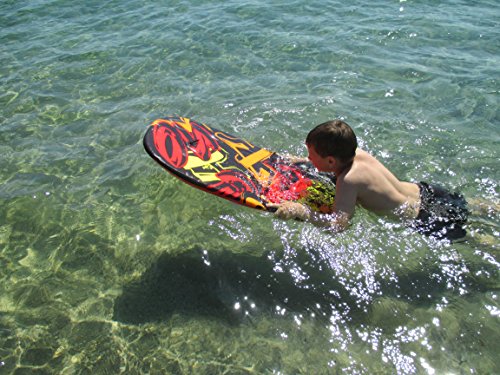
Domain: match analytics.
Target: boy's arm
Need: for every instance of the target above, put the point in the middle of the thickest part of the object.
(337, 221)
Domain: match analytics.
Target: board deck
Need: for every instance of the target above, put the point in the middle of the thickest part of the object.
(233, 168)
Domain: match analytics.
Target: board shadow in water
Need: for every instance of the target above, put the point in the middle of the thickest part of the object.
(192, 285)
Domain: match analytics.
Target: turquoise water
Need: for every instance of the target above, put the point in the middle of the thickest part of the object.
(110, 265)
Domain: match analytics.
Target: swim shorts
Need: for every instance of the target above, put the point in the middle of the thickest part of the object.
(442, 214)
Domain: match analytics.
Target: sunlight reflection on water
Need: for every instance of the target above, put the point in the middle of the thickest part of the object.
(363, 290)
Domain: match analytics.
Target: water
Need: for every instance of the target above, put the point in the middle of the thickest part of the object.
(110, 265)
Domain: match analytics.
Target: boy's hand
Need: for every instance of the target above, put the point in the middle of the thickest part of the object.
(295, 159)
(291, 210)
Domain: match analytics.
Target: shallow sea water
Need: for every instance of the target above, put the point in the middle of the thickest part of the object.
(110, 265)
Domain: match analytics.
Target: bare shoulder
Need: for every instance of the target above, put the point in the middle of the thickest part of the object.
(362, 168)
(365, 158)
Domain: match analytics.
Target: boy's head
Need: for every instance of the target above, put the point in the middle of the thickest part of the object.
(333, 138)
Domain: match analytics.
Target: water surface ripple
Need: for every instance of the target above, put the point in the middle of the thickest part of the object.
(110, 265)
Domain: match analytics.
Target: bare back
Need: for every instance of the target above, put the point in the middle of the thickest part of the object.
(378, 189)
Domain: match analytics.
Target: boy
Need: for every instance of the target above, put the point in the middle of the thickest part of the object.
(362, 179)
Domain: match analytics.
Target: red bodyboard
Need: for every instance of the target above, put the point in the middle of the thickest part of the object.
(233, 168)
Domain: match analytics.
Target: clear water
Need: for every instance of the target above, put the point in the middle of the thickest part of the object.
(110, 265)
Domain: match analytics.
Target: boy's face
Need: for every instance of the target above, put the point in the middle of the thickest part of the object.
(322, 164)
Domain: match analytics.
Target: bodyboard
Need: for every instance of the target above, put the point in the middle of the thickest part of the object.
(233, 168)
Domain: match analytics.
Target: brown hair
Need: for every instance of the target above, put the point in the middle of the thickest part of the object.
(333, 138)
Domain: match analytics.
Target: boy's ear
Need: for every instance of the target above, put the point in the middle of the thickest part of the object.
(330, 160)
